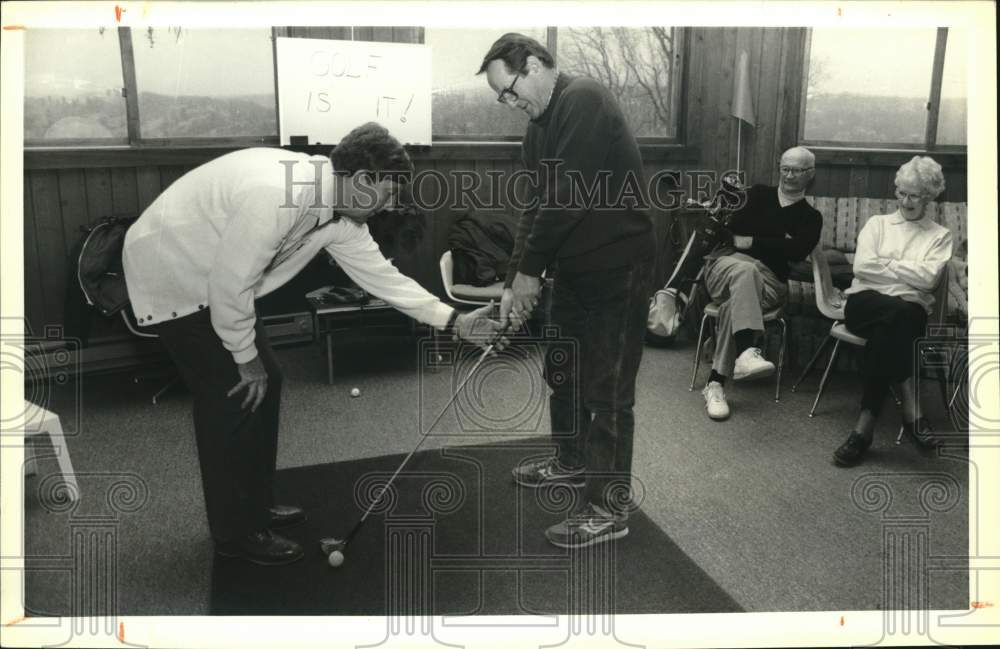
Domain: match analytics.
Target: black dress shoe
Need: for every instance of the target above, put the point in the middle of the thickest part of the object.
(851, 451)
(285, 516)
(264, 548)
(921, 432)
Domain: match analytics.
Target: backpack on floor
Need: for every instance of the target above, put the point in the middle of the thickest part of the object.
(99, 269)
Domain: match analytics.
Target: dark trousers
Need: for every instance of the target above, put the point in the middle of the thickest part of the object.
(892, 326)
(237, 448)
(591, 369)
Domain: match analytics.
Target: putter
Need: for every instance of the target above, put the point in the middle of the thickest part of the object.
(330, 545)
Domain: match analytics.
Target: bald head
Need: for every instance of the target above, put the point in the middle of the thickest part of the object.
(796, 170)
(798, 156)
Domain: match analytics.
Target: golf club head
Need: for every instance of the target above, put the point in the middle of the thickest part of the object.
(330, 544)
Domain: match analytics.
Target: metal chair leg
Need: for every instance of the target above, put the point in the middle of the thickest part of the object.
(811, 363)
(162, 391)
(958, 388)
(895, 397)
(942, 378)
(781, 361)
(697, 352)
(826, 374)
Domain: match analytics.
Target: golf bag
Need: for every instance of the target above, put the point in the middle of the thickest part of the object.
(667, 306)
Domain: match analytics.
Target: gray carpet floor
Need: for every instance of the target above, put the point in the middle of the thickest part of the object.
(754, 500)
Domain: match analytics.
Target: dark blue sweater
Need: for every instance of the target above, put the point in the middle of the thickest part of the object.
(581, 143)
(780, 234)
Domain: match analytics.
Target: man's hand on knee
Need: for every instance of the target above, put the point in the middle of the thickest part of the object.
(253, 377)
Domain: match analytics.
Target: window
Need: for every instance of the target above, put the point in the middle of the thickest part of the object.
(951, 116)
(73, 87)
(188, 84)
(462, 105)
(181, 97)
(639, 65)
(878, 88)
(156, 85)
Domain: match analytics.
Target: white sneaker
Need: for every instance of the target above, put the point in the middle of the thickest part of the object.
(751, 364)
(715, 401)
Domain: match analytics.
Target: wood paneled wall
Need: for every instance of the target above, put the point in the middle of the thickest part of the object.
(64, 190)
(776, 58)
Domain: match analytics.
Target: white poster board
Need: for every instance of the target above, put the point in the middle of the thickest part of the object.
(327, 87)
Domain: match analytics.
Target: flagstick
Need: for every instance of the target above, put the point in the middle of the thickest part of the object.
(739, 141)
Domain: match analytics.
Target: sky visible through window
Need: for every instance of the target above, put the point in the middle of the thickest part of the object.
(872, 86)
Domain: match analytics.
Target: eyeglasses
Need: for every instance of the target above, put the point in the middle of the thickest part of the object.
(507, 95)
(906, 196)
(793, 171)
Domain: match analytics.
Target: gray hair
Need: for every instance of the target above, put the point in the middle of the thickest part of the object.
(926, 173)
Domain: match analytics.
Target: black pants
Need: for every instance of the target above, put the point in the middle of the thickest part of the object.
(237, 449)
(591, 369)
(892, 326)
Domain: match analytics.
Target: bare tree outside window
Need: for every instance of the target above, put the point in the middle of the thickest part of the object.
(638, 65)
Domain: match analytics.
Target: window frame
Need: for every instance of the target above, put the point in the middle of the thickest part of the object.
(932, 105)
(133, 119)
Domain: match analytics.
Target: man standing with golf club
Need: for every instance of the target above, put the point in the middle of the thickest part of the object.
(592, 232)
(231, 231)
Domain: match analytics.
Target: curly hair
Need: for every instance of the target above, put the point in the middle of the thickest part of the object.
(514, 49)
(926, 173)
(370, 147)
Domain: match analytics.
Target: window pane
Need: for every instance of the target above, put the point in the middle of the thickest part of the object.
(72, 85)
(204, 82)
(869, 86)
(952, 116)
(638, 65)
(462, 103)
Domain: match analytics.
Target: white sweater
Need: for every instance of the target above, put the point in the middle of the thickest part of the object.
(901, 258)
(226, 233)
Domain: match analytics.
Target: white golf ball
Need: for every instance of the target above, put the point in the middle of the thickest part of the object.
(336, 558)
(355, 392)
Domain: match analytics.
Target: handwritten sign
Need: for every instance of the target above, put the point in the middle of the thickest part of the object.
(327, 87)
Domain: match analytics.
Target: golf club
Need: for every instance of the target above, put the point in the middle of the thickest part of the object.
(334, 548)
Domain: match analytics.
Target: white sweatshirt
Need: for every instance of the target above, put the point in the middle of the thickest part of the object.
(901, 258)
(230, 231)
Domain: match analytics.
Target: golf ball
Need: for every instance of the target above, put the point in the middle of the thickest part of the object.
(336, 558)
(355, 392)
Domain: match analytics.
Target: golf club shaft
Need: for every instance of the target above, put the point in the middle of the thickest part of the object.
(458, 391)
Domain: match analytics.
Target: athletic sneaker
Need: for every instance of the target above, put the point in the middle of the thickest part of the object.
(715, 400)
(546, 471)
(589, 526)
(751, 364)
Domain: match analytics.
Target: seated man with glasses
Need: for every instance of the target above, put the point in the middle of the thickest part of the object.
(749, 276)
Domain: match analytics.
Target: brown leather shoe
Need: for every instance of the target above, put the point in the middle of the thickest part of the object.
(285, 516)
(264, 548)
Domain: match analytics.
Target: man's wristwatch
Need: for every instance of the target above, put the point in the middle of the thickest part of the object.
(452, 321)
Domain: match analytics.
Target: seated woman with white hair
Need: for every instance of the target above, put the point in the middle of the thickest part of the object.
(899, 260)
